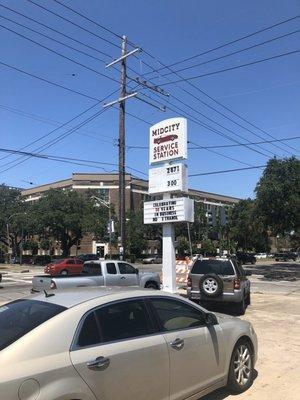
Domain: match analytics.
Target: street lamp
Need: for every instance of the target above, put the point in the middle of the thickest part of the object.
(106, 204)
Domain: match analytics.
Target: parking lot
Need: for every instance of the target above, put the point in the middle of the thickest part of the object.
(274, 312)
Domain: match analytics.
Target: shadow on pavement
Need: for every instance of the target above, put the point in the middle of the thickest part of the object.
(222, 393)
(276, 271)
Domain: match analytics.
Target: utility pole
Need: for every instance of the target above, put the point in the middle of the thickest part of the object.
(121, 142)
(122, 208)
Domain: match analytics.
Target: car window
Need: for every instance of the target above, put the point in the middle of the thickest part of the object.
(126, 268)
(124, 320)
(91, 268)
(89, 333)
(111, 268)
(70, 262)
(21, 316)
(213, 267)
(175, 315)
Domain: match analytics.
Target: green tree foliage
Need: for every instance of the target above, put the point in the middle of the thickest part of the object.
(246, 228)
(66, 216)
(136, 233)
(278, 196)
(14, 218)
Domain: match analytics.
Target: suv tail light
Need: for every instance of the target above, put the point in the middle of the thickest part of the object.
(236, 283)
(189, 282)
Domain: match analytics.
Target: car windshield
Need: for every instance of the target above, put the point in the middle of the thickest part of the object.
(21, 316)
(213, 267)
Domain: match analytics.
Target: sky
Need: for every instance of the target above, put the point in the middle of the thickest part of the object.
(266, 95)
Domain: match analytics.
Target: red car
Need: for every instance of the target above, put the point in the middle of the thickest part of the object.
(65, 266)
(167, 138)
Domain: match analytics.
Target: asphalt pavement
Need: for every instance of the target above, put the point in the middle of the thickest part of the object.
(268, 277)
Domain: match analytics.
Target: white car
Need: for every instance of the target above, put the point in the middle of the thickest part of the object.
(120, 343)
(260, 256)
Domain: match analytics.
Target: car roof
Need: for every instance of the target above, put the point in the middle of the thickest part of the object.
(73, 296)
(213, 258)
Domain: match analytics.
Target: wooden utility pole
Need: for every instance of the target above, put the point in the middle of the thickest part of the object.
(122, 207)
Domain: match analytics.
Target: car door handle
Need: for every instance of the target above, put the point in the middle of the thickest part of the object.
(99, 364)
(123, 277)
(177, 344)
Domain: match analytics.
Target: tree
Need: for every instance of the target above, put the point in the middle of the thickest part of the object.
(14, 218)
(278, 196)
(136, 233)
(66, 216)
(246, 228)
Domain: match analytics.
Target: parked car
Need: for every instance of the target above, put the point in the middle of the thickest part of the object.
(118, 343)
(88, 257)
(99, 273)
(246, 258)
(285, 256)
(65, 266)
(155, 259)
(219, 280)
(260, 256)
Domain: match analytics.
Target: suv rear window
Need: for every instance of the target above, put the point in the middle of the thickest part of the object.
(21, 316)
(213, 267)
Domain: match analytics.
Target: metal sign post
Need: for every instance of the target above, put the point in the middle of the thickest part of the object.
(168, 143)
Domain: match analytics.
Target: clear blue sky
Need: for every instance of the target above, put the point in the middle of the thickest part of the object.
(266, 94)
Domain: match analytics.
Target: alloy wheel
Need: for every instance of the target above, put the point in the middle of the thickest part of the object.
(210, 285)
(242, 365)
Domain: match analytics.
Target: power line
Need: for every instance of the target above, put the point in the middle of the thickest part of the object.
(60, 54)
(221, 105)
(69, 160)
(233, 53)
(224, 171)
(55, 40)
(232, 68)
(47, 81)
(89, 19)
(222, 146)
(229, 43)
(74, 23)
(56, 31)
(50, 121)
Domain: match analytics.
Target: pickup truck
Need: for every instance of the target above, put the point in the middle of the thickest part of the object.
(99, 273)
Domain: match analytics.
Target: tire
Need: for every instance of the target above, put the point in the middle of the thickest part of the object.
(151, 285)
(241, 307)
(64, 272)
(253, 262)
(211, 285)
(241, 371)
(248, 300)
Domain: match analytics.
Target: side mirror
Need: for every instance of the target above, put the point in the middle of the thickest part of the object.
(211, 319)
(248, 273)
(137, 271)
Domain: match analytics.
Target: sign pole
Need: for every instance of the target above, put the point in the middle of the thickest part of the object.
(168, 247)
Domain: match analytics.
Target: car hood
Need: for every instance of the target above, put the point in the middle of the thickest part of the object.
(224, 317)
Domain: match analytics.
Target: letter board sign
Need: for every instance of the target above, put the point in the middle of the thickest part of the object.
(168, 140)
(169, 178)
(179, 209)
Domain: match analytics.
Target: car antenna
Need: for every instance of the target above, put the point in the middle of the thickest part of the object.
(48, 294)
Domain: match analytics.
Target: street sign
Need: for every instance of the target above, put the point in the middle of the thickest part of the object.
(180, 209)
(169, 178)
(168, 140)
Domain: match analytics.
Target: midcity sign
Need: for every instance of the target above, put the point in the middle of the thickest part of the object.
(169, 178)
(168, 140)
(171, 210)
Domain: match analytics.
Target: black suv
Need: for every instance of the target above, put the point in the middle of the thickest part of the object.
(246, 258)
(88, 257)
(285, 256)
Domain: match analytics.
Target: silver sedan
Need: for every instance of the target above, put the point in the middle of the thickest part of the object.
(112, 343)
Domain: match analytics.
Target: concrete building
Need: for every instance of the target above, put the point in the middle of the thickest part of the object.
(106, 187)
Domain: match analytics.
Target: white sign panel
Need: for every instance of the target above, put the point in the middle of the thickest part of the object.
(168, 140)
(170, 178)
(179, 209)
